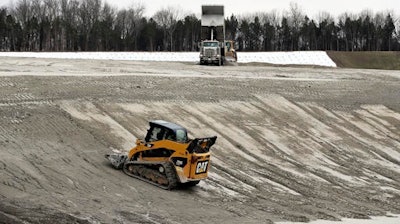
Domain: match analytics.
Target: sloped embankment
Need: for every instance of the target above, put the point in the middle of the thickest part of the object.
(389, 60)
(293, 143)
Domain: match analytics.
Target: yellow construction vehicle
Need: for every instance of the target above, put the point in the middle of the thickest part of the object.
(166, 157)
(230, 51)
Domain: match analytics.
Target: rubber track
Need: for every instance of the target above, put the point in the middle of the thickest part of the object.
(169, 171)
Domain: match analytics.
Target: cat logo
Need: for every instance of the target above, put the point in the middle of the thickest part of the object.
(201, 167)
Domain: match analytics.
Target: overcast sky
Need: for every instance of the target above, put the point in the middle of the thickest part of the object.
(310, 7)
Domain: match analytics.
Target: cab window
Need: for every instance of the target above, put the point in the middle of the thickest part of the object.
(156, 134)
(181, 136)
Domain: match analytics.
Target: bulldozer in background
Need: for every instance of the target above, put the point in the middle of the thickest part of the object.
(166, 157)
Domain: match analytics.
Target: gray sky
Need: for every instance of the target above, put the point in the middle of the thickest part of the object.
(310, 7)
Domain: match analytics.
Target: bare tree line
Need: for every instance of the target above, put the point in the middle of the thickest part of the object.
(93, 25)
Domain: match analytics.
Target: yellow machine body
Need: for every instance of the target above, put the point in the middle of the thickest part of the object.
(189, 166)
(166, 157)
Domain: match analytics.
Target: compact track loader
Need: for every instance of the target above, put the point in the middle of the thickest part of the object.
(166, 157)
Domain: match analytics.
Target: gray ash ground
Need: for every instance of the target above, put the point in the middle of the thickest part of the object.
(294, 144)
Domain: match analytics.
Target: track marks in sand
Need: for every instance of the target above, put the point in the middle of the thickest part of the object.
(269, 147)
(87, 111)
(45, 151)
(303, 139)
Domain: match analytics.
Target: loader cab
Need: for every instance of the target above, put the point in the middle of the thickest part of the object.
(164, 130)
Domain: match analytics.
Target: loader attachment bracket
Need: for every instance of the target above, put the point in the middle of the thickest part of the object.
(117, 159)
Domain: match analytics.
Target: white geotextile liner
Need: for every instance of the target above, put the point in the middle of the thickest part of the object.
(284, 58)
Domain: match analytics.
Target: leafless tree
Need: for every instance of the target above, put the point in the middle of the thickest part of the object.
(22, 12)
(135, 24)
(71, 20)
(89, 15)
(296, 18)
(325, 16)
(38, 9)
(129, 22)
(167, 18)
(273, 17)
(270, 20)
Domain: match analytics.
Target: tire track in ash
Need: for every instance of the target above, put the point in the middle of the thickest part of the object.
(5, 83)
(85, 112)
(37, 147)
(151, 111)
(306, 134)
(334, 150)
(51, 157)
(345, 155)
(229, 173)
(379, 129)
(382, 160)
(57, 153)
(356, 129)
(236, 163)
(334, 179)
(331, 123)
(278, 178)
(133, 117)
(95, 117)
(221, 182)
(378, 136)
(231, 132)
(15, 176)
(226, 178)
(347, 162)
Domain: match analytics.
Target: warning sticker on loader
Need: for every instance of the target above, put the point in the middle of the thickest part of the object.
(201, 167)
